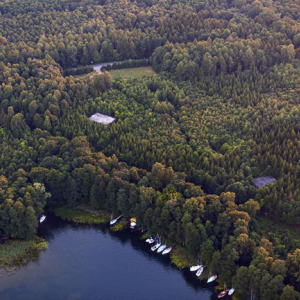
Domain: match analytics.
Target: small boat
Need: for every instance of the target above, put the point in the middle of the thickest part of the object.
(42, 218)
(231, 291)
(132, 223)
(114, 221)
(224, 293)
(167, 251)
(200, 271)
(149, 240)
(195, 268)
(161, 248)
(156, 246)
(212, 278)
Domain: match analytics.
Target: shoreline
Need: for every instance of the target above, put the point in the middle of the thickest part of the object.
(179, 256)
(16, 253)
(84, 215)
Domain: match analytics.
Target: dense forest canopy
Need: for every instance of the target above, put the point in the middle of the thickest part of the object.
(222, 109)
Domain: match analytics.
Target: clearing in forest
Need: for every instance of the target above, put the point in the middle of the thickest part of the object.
(131, 72)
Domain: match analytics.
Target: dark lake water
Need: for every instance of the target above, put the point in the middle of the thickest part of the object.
(91, 262)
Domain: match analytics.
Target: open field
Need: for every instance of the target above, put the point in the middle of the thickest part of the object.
(131, 72)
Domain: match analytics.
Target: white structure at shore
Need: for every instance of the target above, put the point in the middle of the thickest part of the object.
(102, 119)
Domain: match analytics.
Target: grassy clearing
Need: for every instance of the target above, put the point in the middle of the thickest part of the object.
(82, 215)
(131, 73)
(17, 252)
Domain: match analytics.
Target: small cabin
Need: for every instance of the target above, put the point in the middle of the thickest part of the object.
(102, 119)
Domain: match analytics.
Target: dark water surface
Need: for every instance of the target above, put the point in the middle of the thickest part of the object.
(91, 262)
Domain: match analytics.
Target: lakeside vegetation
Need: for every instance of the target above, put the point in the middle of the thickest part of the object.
(81, 215)
(16, 253)
(222, 109)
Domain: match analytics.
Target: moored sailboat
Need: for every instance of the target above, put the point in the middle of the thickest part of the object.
(114, 221)
(224, 293)
(231, 291)
(42, 218)
(212, 278)
(161, 248)
(200, 271)
(195, 268)
(156, 246)
(150, 240)
(167, 250)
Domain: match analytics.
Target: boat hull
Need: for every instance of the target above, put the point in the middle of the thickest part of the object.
(161, 248)
(155, 247)
(231, 291)
(112, 222)
(167, 251)
(42, 218)
(212, 278)
(200, 271)
(195, 268)
(223, 294)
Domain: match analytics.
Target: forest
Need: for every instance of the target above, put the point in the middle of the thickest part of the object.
(222, 109)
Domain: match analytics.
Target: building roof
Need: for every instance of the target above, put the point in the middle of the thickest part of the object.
(261, 181)
(102, 119)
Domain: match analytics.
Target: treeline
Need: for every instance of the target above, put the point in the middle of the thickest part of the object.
(223, 110)
(93, 33)
(212, 225)
(78, 70)
(132, 63)
(241, 71)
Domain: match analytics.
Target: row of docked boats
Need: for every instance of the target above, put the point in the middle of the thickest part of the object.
(161, 248)
(199, 270)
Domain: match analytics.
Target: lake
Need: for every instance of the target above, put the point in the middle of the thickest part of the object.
(91, 262)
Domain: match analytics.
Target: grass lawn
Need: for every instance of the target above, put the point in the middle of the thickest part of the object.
(131, 72)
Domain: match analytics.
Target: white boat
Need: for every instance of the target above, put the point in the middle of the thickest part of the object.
(200, 271)
(42, 218)
(231, 291)
(212, 278)
(161, 248)
(114, 221)
(151, 241)
(156, 246)
(132, 225)
(195, 268)
(167, 251)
